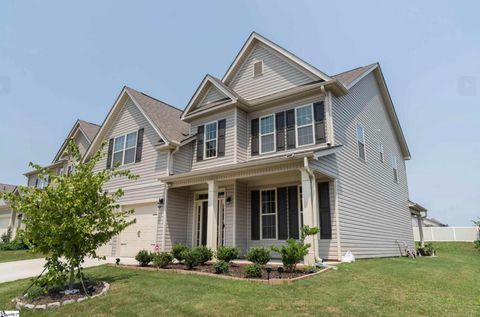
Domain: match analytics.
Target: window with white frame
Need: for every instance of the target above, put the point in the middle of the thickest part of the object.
(380, 152)
(269, 214)
(304, 125)
(267, 134)
(394, 168)
(361, 141)
(124, 149)
(211, 137)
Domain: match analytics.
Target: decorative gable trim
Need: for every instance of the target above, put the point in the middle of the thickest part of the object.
(257, 38)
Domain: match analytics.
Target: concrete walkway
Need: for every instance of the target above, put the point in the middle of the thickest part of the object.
(11, 271)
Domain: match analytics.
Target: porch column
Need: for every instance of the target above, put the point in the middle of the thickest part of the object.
(420, 229)
(212, 215)
(310, 206)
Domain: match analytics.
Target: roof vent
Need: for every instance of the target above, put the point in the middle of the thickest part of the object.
(257, 68)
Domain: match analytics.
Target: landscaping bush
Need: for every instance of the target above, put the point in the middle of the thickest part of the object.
(205, 254)
(162, 259)
(177, 251)
(7, 236)
(144, 257)
(476, 244)
(254, 270)
(227, 254)
(258, 255)
(15, 244)
(191, 257)
(221, 267)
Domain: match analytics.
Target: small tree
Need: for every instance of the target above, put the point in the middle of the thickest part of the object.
(477, 242)
(72, 217)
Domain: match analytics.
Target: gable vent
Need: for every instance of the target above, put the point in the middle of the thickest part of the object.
(257, 68)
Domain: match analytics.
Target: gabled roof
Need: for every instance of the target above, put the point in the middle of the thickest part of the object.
(164, 118)
(206, 83)
(89, 130)
(351, 77)
(7, 188)
(255, 38)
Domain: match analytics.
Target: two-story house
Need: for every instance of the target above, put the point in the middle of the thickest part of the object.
(274, 145)
(9, 219)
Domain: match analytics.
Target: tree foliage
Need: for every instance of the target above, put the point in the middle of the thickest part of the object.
(73, 216)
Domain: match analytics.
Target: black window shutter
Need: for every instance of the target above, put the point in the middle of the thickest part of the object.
(200, 136)
(254, 129)
(36, 182)
(110, 153)
(293, 211)
(221, 137)
(280, 124)
(282, 215)
(138, 154)
(255, 214)
(319, 114)
(324, 209)
(290, 114)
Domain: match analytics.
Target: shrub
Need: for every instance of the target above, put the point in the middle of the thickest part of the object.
(254, 270)
(15, 244)
(429, 249)
(7, 236)
(476, 244)
(221, 267)
(144, 257)
(177, 251)
(191, 257)
(258, 255)
(162, 259)
(205, 254)
(227, 254)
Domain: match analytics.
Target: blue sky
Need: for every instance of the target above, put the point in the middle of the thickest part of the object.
(61, 61)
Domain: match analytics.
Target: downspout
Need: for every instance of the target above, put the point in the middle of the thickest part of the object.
(311, 176)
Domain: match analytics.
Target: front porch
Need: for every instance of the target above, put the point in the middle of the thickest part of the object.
(259, 206)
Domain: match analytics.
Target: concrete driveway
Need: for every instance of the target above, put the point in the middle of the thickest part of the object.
(11, 271)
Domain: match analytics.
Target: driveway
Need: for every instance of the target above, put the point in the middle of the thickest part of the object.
(11, 271)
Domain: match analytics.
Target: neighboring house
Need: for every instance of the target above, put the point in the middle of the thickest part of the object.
(432, 222)
(273, 145)
(82, 133)
(8, 216)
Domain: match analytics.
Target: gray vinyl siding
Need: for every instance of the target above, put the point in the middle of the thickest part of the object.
(213, 94)
(373, 209)
(229, 115)
(242, 135)
(152, 166)
(182, 160)
(178, 207)
(278, 75)
(241, 221)
(82, 143)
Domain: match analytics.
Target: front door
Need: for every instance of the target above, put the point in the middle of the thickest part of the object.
(201, 220)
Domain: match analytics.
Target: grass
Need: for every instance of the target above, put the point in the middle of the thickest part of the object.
(443, 286)
(8, 256)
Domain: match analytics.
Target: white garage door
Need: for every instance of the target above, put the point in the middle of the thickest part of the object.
(4, 221)
(142, 234)
(105, 250)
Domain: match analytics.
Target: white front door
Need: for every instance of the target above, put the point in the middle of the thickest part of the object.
(200, 217)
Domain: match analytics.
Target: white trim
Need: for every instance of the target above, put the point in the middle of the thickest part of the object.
(234, 214)
(358, 125)
(262, 214)
(300, 209)
(260, 134)
(235, 132)
(381, 152)
(305, 125)
(329, 118)
(261, 66)
(205, 140)
(124, 149)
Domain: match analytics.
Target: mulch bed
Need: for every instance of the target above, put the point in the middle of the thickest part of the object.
(56, 296)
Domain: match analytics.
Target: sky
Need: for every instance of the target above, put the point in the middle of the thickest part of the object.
(64, 60)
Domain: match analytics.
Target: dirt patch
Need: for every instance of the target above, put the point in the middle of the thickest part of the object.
(56, 296)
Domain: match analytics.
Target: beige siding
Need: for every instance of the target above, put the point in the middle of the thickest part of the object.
(373, 208)
(178, 207)
(229, 115)
(278, 74)
(82, 143)
(182, 160)
(241, 232)
(242, 136)
(213, 94)
(152, 166)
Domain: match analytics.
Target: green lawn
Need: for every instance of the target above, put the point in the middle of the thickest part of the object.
(7, 256)
(444, 286)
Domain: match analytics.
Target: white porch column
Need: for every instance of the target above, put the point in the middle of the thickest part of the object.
(420, 230)
(310, 206)
(212, 215)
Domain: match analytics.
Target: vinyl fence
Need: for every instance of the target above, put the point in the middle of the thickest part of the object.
(447, 234)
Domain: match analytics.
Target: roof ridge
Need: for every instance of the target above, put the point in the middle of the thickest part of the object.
(146, 95)
(349, 70)
(89, 122)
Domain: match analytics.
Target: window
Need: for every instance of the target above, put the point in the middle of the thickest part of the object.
(380, 151)
(269, 214)
(361, 142)
(304, 126)
(42, 182)
(211, 140)
(257, 68)
(395, 168)
(124, 149)
(267, 134)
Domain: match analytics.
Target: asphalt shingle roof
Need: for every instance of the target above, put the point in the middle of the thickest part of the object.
(6, 188)
(90, 129)
(349, 76)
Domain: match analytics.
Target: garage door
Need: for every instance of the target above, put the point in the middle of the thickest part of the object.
(142, 234)
(4, 221)
(105, 250)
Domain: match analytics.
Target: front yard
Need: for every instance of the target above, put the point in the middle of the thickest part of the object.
(447, 285)
(8, 256)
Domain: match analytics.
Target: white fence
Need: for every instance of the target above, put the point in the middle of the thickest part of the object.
(447, 234)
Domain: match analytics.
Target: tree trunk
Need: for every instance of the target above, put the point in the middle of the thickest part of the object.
(72, 277)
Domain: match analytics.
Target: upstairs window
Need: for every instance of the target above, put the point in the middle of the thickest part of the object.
(124, 149)
(380, 152)
(304, 126)
(257, 68)
(269, 214)
(211, 140)
(267, 134)
(361, 142)
(395, 168)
